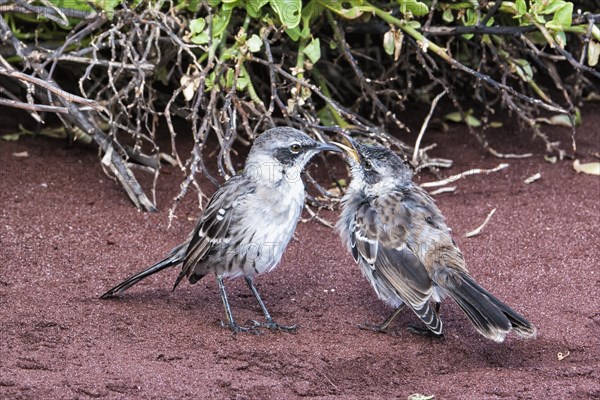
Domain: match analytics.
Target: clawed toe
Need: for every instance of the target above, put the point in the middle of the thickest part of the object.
(284, 328)
(235, 328)
(273, 326)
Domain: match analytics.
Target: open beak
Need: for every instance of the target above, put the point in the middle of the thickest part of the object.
(349, 147)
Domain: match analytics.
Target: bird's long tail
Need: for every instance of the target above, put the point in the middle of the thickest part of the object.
(175, 257)
(491, 317)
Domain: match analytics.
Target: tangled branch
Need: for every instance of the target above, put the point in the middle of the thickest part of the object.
(231, 70)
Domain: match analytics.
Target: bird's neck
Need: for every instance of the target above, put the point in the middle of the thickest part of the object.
(375, 190)
(267, 171)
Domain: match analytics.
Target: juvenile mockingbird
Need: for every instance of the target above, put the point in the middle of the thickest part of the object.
(400, 240)
(248, 222)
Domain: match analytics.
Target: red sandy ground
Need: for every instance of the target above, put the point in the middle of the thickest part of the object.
(68, 233)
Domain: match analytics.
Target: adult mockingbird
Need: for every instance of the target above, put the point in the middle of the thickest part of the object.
(400, 240)
(248, 222)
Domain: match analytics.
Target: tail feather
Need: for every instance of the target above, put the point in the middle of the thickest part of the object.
(430, 317)
(175, 257)
(520, 325)
(491, 317)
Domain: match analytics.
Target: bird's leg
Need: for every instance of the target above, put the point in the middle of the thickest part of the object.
(383, 327)
(270, 323)
(230, 321)
(424, 331)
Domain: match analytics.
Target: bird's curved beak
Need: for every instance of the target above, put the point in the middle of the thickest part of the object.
(349, 147)
(322, 146)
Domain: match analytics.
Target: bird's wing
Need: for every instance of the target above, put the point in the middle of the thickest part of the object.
(381, 232)
(363, 234)
(213, 227)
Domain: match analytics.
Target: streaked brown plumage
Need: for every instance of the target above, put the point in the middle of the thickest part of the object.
(404, 248)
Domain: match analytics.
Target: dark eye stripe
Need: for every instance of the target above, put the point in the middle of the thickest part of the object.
(285, 156)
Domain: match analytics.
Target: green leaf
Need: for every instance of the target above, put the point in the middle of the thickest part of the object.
(388, 42)
(523, 69)
(552, 7)
(106, 5)
(469, 119)
(414, 24)
(520, 7)
(193, 5)
(11, 137)
(294, 33)
(288, 11)
(313, 50)
(565, 120)
(453, 116)
(200, 38)
(210, 81)
(415, 7)
(561, 120)
(197, 25)
(221, 21)
(253, 7)
(74, 5)
(553, 25)
(230, 53)
(563, 15)
(471, 19)
(392, 43)
(447, 16)
(254, 43)
(242, 83)
(473, 122)
(311, 10)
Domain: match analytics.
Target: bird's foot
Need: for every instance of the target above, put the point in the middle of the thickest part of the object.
(235, 328)
(373, 328)
(274, 326)
(424, 332)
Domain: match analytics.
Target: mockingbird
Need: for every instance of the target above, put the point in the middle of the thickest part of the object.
(248, 222)
(400, 240)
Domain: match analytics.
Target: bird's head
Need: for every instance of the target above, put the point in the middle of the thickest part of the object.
(283, 152)
(375, 169)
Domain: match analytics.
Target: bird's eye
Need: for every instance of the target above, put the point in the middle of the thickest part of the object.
(295, 148)
(367, 165)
